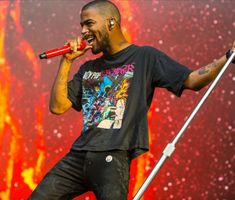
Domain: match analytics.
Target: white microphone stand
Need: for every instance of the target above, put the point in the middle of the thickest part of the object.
(169, 149)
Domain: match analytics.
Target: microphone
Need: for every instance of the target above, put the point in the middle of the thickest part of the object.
(60, 51)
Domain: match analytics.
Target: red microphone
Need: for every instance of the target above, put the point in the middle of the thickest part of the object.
(60, 51)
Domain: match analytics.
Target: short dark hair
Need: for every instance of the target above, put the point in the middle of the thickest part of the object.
(106, 8)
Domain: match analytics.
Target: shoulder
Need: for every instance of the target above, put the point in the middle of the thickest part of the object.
(151, 51)
(90, 64)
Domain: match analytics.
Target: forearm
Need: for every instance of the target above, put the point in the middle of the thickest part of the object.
(59, 102)
(203, 76)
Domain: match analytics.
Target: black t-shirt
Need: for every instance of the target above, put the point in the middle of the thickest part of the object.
(115, 94)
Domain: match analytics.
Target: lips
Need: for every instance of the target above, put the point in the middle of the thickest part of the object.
(90, 39)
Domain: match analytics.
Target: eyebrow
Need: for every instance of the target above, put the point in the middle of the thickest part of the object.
(86, 21)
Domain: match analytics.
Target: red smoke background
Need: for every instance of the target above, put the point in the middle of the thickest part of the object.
(32, 140)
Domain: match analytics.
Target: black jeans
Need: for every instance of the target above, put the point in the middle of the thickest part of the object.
(104, 173)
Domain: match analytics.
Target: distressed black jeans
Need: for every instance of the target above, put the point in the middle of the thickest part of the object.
(105, 173)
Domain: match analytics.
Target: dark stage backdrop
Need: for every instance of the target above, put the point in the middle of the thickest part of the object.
(32, 140)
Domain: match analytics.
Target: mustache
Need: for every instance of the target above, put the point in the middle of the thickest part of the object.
(86, 36)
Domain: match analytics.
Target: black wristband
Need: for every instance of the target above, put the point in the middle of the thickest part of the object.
(228, 54)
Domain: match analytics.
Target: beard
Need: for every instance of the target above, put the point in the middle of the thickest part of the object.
(102, 44)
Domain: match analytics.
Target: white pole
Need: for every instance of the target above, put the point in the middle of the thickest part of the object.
(169, 149)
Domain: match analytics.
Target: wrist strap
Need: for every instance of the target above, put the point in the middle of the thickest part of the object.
(228, 54)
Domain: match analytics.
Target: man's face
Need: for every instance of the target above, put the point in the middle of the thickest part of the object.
(94, 28)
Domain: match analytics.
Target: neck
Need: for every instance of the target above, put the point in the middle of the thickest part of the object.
(117, 43)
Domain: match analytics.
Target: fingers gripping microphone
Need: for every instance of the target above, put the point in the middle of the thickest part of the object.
(60, 51)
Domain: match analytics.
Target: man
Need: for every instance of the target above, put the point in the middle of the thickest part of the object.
(115, 92)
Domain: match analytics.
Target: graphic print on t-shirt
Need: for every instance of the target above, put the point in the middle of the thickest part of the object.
(104, 97)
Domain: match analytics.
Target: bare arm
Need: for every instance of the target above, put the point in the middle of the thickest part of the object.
(59, 102)
(203, 76)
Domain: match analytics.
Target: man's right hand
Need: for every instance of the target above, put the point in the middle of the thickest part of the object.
(75, 44)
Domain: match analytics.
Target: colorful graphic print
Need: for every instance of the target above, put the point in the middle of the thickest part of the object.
(104, 97)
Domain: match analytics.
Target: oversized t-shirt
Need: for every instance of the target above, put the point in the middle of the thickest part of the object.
(115, 93)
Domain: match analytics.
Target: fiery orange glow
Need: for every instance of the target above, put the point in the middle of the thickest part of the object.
(33, 174)
(5, 117)
(27, 51)
(127, 11)
(10, 131)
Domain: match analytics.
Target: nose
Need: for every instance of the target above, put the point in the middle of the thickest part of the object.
(84, 32)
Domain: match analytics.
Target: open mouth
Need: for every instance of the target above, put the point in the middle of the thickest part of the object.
(90, 40)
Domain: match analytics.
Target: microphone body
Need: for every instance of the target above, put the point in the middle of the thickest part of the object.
(60, 51)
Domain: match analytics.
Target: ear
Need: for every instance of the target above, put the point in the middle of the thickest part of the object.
(111, 23)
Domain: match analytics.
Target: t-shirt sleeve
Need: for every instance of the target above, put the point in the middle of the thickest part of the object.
(169, 74)
(75, 90)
